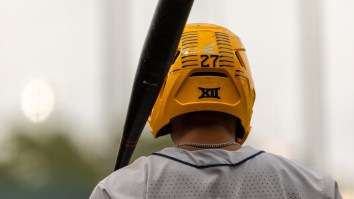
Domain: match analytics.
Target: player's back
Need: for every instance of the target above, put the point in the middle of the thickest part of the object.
(217, 173)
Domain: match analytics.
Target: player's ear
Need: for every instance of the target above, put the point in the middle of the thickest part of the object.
(238, 140)
(172, 137)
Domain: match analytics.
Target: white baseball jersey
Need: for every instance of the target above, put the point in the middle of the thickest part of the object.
(215, 173)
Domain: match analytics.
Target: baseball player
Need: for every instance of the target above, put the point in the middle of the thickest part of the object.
(206, 106)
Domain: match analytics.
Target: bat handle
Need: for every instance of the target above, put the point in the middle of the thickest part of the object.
(158, 52)
(125, 153)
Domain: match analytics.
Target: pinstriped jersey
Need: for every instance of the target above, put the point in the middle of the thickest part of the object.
(216, 173)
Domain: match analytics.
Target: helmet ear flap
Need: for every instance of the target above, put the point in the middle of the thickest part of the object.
(176, 56)
(239, 130)
(167, 129)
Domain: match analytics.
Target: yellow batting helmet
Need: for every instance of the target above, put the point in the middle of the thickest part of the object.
(210, 73)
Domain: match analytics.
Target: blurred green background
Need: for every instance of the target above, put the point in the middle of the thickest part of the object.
(46, 163)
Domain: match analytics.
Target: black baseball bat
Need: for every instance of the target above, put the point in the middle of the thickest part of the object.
(157, 54)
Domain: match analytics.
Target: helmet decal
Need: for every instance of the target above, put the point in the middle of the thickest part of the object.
(209, 48)
(209, 93)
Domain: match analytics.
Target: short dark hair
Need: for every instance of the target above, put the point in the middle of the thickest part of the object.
(239, 130)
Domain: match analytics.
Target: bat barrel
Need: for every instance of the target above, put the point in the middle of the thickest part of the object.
(157, 54)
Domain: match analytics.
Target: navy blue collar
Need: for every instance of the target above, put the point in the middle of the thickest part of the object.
(208, 158)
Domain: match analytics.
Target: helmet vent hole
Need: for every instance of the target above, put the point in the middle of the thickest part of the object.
(215, 74)
(189, 42)
(239, 57)
(225, 49)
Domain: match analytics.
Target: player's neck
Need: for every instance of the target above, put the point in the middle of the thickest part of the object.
(207, 135)
(210, 134)
(203, 128)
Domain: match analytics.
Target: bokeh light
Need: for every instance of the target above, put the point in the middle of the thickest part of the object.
(37, 100)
